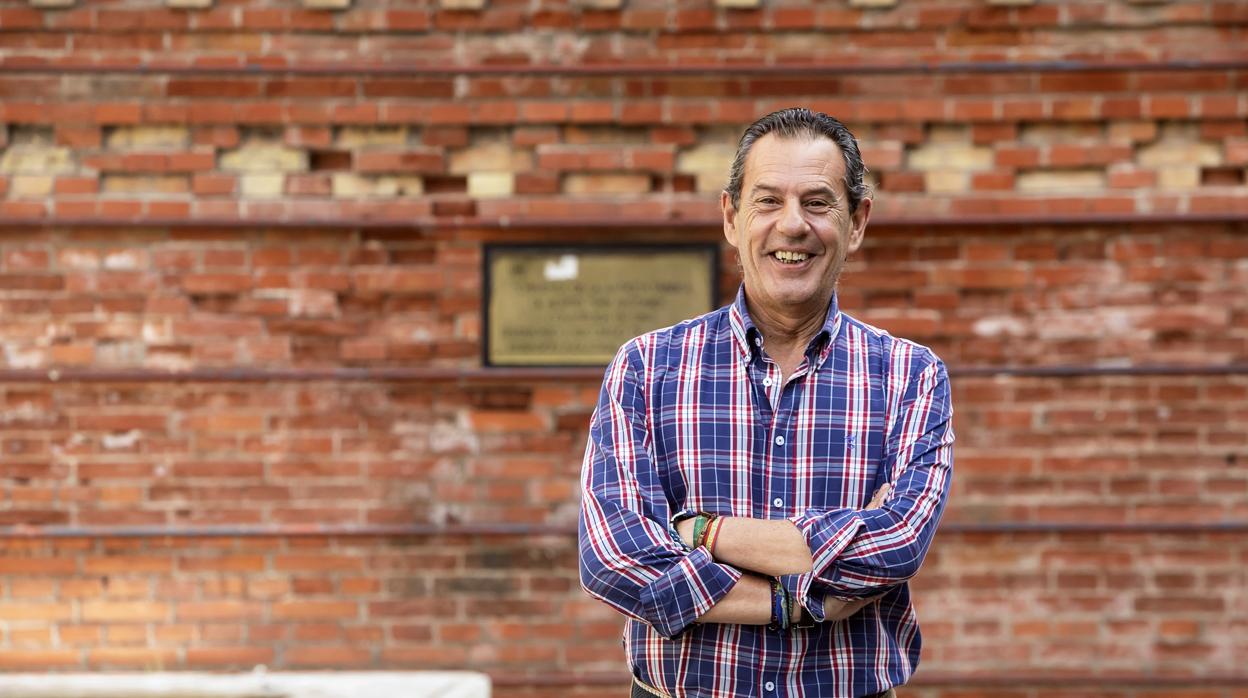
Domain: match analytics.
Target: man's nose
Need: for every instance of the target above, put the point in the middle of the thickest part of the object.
(792, 219)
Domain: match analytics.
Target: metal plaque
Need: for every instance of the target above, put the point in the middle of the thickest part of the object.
(575, 306)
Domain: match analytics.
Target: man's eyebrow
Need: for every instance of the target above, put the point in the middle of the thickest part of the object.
(822, 190)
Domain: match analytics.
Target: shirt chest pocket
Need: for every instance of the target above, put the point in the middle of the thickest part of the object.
(845, 463)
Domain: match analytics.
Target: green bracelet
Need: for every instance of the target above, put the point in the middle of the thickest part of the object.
(700, 523)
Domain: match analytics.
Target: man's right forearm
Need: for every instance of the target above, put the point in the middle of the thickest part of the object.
(749, 603)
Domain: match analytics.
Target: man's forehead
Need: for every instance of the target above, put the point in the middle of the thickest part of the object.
(817, 160)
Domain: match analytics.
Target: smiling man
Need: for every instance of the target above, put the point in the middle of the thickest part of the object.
(761, 482)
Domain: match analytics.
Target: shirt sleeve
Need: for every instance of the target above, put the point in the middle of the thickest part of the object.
(628, 557)
(861, 553)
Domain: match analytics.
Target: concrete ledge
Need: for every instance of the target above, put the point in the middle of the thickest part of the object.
(259, 684)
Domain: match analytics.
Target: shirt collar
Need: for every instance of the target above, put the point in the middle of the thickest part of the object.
(749, 339)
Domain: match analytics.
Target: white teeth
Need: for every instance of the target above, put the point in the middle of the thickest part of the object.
(790, 257)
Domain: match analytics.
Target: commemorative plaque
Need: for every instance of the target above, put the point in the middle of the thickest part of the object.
(575, 306)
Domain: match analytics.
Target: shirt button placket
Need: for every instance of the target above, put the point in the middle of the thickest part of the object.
(769, 686)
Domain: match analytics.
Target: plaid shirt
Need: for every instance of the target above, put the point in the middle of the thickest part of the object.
(696, 417)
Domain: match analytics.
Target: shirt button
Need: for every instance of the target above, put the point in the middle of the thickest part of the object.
(779, 440)
(769, 686)
(767, 382)
(758, 341)
(777, 502)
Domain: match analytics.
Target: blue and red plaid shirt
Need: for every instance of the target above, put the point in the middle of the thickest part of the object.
(696, 417)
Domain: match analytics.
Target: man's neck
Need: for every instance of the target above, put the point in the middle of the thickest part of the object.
(788, 332)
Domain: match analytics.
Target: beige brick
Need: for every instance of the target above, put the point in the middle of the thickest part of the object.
(1061, 180)
(262, 185)
(601, 4)
(146, 137)
(264, 156)
(709, 162)
(1178, 177)
(738, 3)
(365, 136)
(462, 4)
(327, 4)
(143, 184)
(35, 160)
(607, 184)
(30, 186)
(945, 156)
(348, 185)
(52, 3)
(944, 134)
(188, 4)
(1179, 145)
(946, 181)
(491, 154)
(491, 185)
(1011, 3)
(872, 3)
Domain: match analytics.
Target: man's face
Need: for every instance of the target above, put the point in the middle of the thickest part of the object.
(793, 229)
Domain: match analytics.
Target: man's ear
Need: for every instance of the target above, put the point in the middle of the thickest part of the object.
(730, 218)
(858, 224)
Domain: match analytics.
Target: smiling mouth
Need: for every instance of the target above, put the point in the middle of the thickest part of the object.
(787, 257)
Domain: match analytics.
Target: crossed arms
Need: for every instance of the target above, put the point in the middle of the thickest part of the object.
(830, 560)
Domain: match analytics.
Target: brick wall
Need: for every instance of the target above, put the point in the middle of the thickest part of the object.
(285, 204)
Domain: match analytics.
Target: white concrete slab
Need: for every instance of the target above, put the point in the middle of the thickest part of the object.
(259, 684)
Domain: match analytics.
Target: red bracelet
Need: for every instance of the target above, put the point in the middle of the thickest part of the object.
(712, 535)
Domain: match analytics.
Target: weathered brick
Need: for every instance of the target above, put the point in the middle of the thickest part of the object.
(147, 137)
(261, 156)
(491, 185)
(1061, 180)
(606, 184)
(371, 136)
(262, 185)
(347, 185)
(493, 153)
(708, 162)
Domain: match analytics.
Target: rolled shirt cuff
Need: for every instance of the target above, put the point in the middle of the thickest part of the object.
(687, 590)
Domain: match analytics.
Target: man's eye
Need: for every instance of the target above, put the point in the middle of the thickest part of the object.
(769, 201)
(817, 203)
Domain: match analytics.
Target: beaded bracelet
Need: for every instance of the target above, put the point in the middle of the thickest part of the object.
(779, 606)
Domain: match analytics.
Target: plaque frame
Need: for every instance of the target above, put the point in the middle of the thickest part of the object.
(492, 251)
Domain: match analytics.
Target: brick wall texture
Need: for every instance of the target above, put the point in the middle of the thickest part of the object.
(304, 188)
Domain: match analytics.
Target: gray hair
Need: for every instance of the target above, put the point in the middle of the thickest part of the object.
(797, 122)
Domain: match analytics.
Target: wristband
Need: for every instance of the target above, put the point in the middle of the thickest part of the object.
(701, 526)
(779, 606)
(712, 535)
